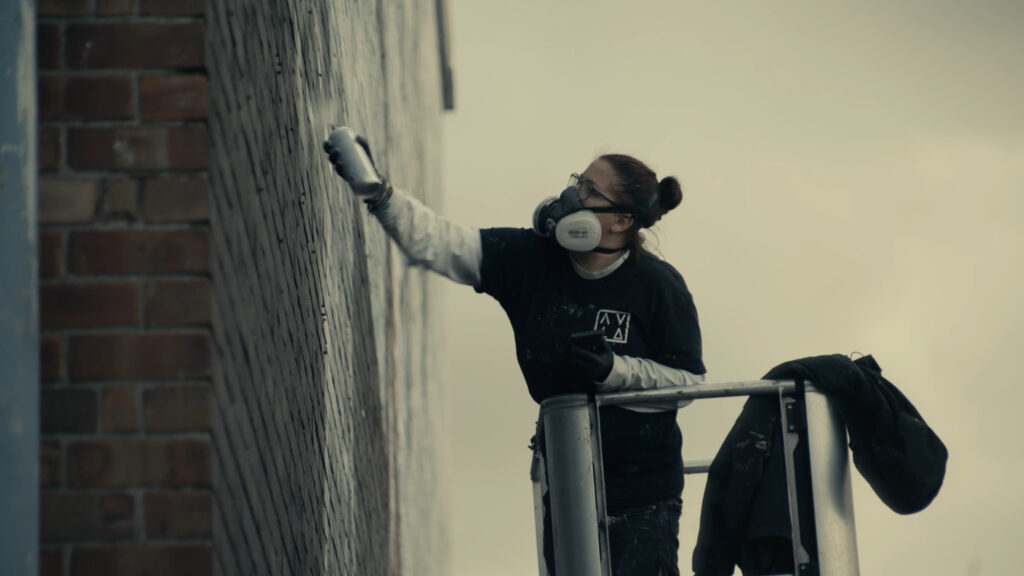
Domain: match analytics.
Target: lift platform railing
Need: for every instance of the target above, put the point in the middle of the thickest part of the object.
(573, 474)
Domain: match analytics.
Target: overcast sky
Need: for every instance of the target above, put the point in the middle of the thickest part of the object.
(853, 182)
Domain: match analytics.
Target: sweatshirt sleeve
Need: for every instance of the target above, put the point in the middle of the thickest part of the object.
(431, 241)
(629, 373)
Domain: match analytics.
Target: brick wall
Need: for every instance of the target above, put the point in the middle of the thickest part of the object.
(324, 436)
(124, 290)
(236, 360)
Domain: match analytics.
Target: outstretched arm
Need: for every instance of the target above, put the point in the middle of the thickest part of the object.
(430, 240)
(427, 238)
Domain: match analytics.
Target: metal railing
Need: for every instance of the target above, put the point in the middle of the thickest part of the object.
(573, 475)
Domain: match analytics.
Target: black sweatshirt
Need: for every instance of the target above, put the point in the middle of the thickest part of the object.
(645, 310)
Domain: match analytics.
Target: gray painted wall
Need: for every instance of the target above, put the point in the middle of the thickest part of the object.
(326, 442)
(19, 302)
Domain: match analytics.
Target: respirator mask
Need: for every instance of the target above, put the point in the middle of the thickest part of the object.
(574, 226)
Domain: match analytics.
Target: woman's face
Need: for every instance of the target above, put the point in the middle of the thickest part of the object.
(603, 178)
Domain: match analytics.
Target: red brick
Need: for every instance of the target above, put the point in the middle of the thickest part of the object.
(177, 408)
(120, 200)
(51, 358)
(95, 562)
(159, 560)
(48, 46)
(135, 45)
(178, 303)
(72, 516)
(173, 7)
(51, 562)
(49, 149)
(65, 201)
(51, 254)
(133, 462)
(68, 410)
(114, 7)
(120, 409)
(62, 7)
(88, 305)
(80, 98)
(140, 251)
(179, 514)
(140, 357)
(50, 469)
(139, 148)
(176, 200)
(173, 98)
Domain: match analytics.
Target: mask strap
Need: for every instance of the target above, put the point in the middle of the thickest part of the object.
(638, 215)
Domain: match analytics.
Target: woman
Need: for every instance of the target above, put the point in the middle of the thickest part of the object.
(582, 267)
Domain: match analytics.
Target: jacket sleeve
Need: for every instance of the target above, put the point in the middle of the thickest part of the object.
(431, 241)
(732, 488)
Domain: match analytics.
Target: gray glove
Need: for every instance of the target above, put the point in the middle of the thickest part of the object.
(350, 155)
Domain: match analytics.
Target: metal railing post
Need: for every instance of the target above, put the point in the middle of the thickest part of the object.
(831, 487)
(791, 415)
(572, 469)
(538, 476)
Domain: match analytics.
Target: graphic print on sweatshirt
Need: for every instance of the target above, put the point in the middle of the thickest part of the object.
(615, 325)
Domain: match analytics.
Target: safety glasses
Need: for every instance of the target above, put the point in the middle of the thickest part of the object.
(586, 189)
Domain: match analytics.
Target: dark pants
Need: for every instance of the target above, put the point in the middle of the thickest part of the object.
(643, 541)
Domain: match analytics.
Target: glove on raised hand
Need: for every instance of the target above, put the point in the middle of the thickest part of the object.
(350, 155)
(593, 365)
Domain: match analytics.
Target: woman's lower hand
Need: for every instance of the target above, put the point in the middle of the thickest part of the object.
(594, 365)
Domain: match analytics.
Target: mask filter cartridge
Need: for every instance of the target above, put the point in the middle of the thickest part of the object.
(574, 227)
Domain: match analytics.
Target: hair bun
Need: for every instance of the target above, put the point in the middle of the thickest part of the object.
(670, 194)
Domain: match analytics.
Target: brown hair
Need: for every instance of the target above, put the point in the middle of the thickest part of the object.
(640, 188)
